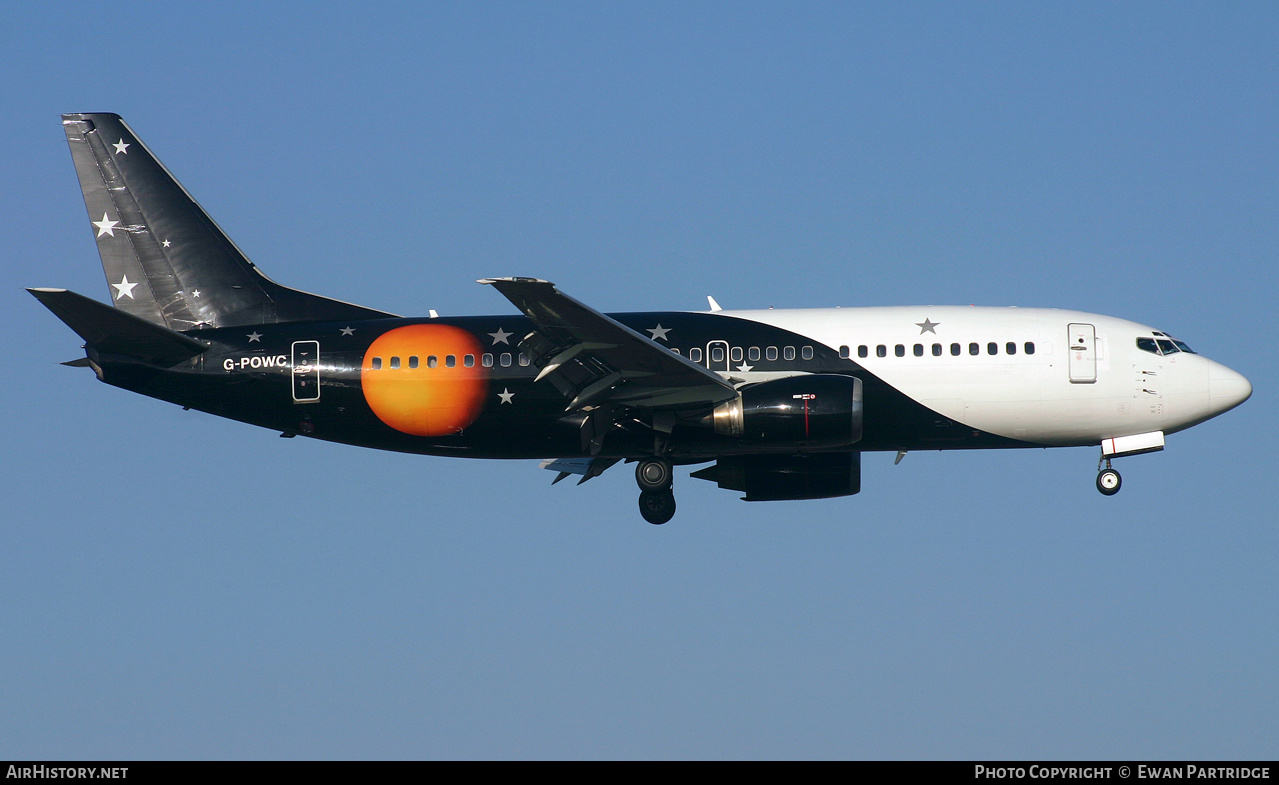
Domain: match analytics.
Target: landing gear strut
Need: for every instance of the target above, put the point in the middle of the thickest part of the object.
(656, 501)
(1108, 480)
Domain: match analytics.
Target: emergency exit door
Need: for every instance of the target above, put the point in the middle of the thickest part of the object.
(717, 356)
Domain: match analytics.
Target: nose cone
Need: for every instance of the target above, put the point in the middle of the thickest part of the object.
(1226, 388)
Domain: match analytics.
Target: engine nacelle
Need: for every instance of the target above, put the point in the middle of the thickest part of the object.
(787, 477)
(815, 411)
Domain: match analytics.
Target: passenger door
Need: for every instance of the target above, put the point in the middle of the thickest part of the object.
(1082, 345)
(306, 371)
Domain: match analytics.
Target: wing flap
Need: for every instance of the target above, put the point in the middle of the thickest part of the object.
(587, 468)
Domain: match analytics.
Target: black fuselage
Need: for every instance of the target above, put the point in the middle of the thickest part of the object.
(250, 375)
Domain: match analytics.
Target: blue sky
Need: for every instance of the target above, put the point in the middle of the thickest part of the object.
(177, 586)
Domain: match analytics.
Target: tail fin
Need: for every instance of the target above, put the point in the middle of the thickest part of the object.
(165, 259)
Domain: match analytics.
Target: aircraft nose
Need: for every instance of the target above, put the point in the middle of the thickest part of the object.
(1226, 388)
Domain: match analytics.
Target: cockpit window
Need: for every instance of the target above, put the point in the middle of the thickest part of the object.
(1163, 345)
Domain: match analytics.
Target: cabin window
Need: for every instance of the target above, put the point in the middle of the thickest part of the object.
(432, 361)
(413, 361)
(899, 350)
(524, 360)
(992, 348)
(736, 354)
(752, 353)
(845, 353)
(1010, 347)
(673, 349)
(937, 350)
(919, 350)
(863, 350)
(450, 360)
(695, 355)
(505, 359)
(974, 349)
(469, 361)
(770, 353)
(789, 353)
(881, 351)
(717, 354)
(806, 352)
(486, 360)
(377, 363)
(955, 349)
(395, 362)
(1029, 347)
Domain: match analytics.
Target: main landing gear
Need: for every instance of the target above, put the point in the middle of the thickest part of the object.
(1108, 480)
(656, 502)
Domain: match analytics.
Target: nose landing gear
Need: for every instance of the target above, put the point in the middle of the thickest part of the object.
(1108, 480)
(656, 501)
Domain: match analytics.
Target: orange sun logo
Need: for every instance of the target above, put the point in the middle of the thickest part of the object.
(425, 379)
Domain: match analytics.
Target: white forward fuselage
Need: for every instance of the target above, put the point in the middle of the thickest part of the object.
(1045, 376)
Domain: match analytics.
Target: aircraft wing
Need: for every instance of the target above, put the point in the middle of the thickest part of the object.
(597, 360)
(588, 468)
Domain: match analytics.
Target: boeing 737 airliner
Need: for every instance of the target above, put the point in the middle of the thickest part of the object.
(779, 403)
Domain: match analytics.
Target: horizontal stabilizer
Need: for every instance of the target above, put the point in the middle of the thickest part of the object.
(113, 331)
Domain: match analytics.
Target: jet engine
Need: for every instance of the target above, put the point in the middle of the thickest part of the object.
(787, 477)
(814, 411)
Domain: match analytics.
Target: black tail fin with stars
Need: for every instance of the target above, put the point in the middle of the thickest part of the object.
(165, 259)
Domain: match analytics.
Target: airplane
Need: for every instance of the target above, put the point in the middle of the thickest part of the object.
(781, 403)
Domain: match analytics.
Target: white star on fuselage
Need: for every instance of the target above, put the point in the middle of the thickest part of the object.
(348, 331)
(658, 332)
(744, 368)
(195, 293)
(106, 226)
(506, 395)
(500, 337)
(255, 337)
(121, 147)
(166, 243)
(124, 288)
